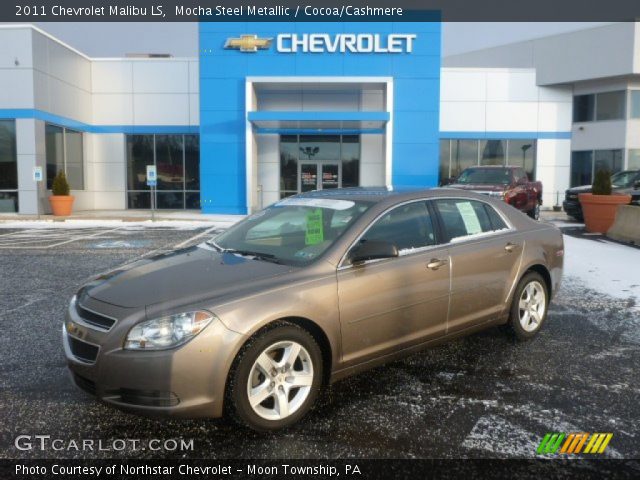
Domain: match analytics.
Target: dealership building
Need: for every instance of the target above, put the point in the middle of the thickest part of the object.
(272, 109)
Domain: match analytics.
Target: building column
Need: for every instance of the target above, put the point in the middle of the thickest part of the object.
(31, 152)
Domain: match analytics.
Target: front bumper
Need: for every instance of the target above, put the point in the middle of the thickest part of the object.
(187, 381)
(572, 208)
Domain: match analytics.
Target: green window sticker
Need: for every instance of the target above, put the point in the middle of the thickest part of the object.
(315, 228)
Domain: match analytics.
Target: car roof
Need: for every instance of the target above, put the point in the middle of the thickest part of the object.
(388, 194)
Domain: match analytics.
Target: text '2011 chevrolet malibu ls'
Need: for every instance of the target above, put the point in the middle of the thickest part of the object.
(312, 289)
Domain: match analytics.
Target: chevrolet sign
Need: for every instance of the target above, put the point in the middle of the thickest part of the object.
(248, 43)
(345, 42)
(325, 43)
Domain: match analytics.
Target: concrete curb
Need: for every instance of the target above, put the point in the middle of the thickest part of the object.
(626, 227)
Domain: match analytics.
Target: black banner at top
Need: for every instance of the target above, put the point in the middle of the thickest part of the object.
(318, 10)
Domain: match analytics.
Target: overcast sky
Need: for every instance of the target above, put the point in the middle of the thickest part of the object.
(181, 39)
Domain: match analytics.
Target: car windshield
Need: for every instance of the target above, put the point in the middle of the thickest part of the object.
(623, 179)
(486, 176)
(293, 231)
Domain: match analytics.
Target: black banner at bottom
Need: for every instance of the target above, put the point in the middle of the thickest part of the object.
(350, 468)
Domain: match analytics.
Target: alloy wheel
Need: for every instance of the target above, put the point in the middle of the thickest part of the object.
(280, 380)
(532, 305)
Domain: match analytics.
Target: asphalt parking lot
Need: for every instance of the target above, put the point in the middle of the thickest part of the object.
(481, 396)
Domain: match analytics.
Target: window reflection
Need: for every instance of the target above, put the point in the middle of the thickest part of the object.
(177, 160)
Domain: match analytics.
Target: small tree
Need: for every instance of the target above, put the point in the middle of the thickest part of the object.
(60, 185)
(602, 183)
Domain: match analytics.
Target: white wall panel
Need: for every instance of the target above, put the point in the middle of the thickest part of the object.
(512, 116)
(16, 88)
(458, 85)
(554, 116)
(15, 45)
(161, 109)
(194, 76)
(463, 116)
(159, 76)
(111, 76)
(511, 86)
(112, 109)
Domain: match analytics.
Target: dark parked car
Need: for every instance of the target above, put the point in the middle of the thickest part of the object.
(313, 289)
(509, 183)
(626, 182)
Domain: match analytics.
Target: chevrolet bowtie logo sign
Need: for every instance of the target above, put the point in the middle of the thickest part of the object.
(248, 43)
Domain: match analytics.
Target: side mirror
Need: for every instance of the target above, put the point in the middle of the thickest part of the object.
(372, 250)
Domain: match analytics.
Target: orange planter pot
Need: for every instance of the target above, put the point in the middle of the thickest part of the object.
(62, 205)
(600, 210)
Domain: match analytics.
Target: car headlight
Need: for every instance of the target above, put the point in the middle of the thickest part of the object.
(167, 332)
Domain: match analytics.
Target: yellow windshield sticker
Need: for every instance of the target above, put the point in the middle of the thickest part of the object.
(315, 229)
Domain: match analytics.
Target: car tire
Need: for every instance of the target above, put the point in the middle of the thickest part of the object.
(535, 212)
(266, 392)
(529, 306)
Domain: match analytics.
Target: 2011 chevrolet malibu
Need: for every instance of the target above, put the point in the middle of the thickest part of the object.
(312, 289)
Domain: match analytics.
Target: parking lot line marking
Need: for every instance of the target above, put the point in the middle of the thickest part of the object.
(84, 237)
(12, 233)
(202, 234)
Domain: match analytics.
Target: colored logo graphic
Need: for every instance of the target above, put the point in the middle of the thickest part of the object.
(573, 443)
(248, 43)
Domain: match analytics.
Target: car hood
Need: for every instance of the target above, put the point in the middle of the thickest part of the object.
(192, 274)
(479, 187)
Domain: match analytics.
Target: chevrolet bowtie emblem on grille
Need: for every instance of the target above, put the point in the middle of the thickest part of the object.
(248, 43)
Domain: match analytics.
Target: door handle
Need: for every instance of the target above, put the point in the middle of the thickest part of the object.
(510, 247)
(435, 264)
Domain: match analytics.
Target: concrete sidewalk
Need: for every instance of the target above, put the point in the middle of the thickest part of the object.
(126, 216)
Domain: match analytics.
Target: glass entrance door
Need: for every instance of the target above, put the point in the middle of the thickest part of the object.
(318, 176)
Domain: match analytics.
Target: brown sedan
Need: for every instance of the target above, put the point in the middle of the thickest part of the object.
(312, 289)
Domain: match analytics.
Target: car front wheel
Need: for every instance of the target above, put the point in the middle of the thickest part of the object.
(275, 379)
(529, 306)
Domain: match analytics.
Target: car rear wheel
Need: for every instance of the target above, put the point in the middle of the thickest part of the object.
(529, 306)
(276, 378)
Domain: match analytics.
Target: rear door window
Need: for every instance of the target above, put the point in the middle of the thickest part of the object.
(462, 218)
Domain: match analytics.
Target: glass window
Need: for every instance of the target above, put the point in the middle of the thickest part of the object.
(492, 152)
(583, 108)
(633, 162)
(177, 160)
(462, 217)
(291, 233)
(8, 167)
(74, 159)
(610, 160)
(319, 147)
(350, 160)
(139, 155)
(8, 156)
(635, 103)
(497, 223)
(288, 165)
(445, 161)
(54, 148)
(408, 226)
(581, 168)
(610, 105)
(523, 154)
(192, 163)
(65, 152)
(464, 154)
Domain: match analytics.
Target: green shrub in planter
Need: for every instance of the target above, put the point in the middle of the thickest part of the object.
(602, 183)
(60, 185)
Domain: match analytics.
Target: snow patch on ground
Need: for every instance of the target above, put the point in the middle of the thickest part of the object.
(494, 434)
(76, 224)
(604, 266)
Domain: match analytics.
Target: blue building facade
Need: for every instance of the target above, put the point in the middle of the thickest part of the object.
(404, 56)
